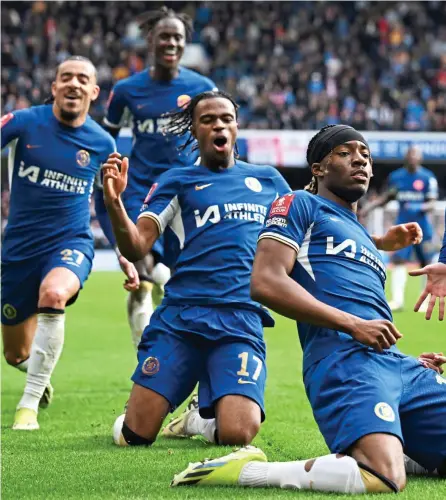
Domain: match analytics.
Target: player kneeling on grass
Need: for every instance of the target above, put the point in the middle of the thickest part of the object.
(207, 328)
(316, 264)
(48, 249)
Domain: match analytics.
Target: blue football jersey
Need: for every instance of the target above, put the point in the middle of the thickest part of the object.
(337, 262)
(412, 190)
(52, 168)
(217, 217)
(142, 101)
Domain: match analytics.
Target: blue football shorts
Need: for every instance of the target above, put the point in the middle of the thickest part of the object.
(358, 391)
(222, 348)
(20, 281)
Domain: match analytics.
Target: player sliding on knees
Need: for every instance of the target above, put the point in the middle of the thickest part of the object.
(316, 264)
(47, 250)
(147, 96)
(207, 328)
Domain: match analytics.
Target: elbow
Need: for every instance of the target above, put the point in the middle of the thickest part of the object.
(259, 288)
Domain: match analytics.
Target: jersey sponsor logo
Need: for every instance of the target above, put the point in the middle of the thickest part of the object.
(385, 412)
(418, 185)
(282, 205)
(441, 380)
(32, 172)
(149, 194)
(9, 311)
(183, 100)
(212, 214)
(253, 184)
(83, 158)
(204, 186)
(151, 126)
(33, 146)
(277, 221)
(5, 119)
(151, 366)
(335, 250)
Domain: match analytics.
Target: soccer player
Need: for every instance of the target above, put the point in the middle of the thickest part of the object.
(316, 263)
(416, 190)
(436, 283)
(147, 96)
(208, 329)
(47, 249)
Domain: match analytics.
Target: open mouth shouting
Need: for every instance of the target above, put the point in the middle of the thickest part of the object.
(220, 143)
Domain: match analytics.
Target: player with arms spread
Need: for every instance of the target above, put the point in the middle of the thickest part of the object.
(416, 190)
(316, 263)
(47, 250)
(147, 96)
(208, 329)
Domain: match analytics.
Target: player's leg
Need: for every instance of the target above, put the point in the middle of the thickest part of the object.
(423, 418)
(399, 278)
(63, 276)
(17, 340)
(169, 365)
(365, 425)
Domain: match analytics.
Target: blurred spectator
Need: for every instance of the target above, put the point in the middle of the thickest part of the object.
(290, 65)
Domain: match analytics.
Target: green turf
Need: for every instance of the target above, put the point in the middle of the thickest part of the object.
(72, 456)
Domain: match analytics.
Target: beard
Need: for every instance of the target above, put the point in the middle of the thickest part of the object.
(349, 194)
(68, 116)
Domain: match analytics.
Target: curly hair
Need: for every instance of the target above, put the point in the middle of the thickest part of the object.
(148, 20)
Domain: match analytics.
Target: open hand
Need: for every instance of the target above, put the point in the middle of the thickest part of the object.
(435, 287)
(432, 360)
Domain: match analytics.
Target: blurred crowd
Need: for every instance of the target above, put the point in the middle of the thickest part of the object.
(290, 65)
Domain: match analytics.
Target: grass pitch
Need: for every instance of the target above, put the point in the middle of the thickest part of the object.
(72, 456)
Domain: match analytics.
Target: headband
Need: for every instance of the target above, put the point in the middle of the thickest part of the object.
(331, 138)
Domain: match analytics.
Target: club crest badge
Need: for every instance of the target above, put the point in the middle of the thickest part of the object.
(83, 158)
(151, 366)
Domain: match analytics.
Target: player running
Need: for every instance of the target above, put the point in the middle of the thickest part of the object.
(316, 263)
(208, 329)
(416, 190)
(47, 249)
(146, 97)
(436, 283)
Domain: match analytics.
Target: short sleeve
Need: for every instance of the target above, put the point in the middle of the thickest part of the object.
(161, 203)
(289, 219)
(110, 147)
(116, 105)
(12, 125)
(432, 188)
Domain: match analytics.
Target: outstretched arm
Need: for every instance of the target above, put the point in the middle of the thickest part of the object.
(379, 202)
(272, 286)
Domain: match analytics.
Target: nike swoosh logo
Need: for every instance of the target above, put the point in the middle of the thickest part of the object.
(241, 381)
(139, 106)
(199, 188)
(32, 146)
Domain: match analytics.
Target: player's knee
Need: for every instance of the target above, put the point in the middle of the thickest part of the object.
(55, 297)
(395, 475)
(15, 357)
(124, 436)
(240, 434)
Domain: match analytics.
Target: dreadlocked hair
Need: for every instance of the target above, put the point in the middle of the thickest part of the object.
(148, 20)
(312, 186)
(50, 98)
(180, 122)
